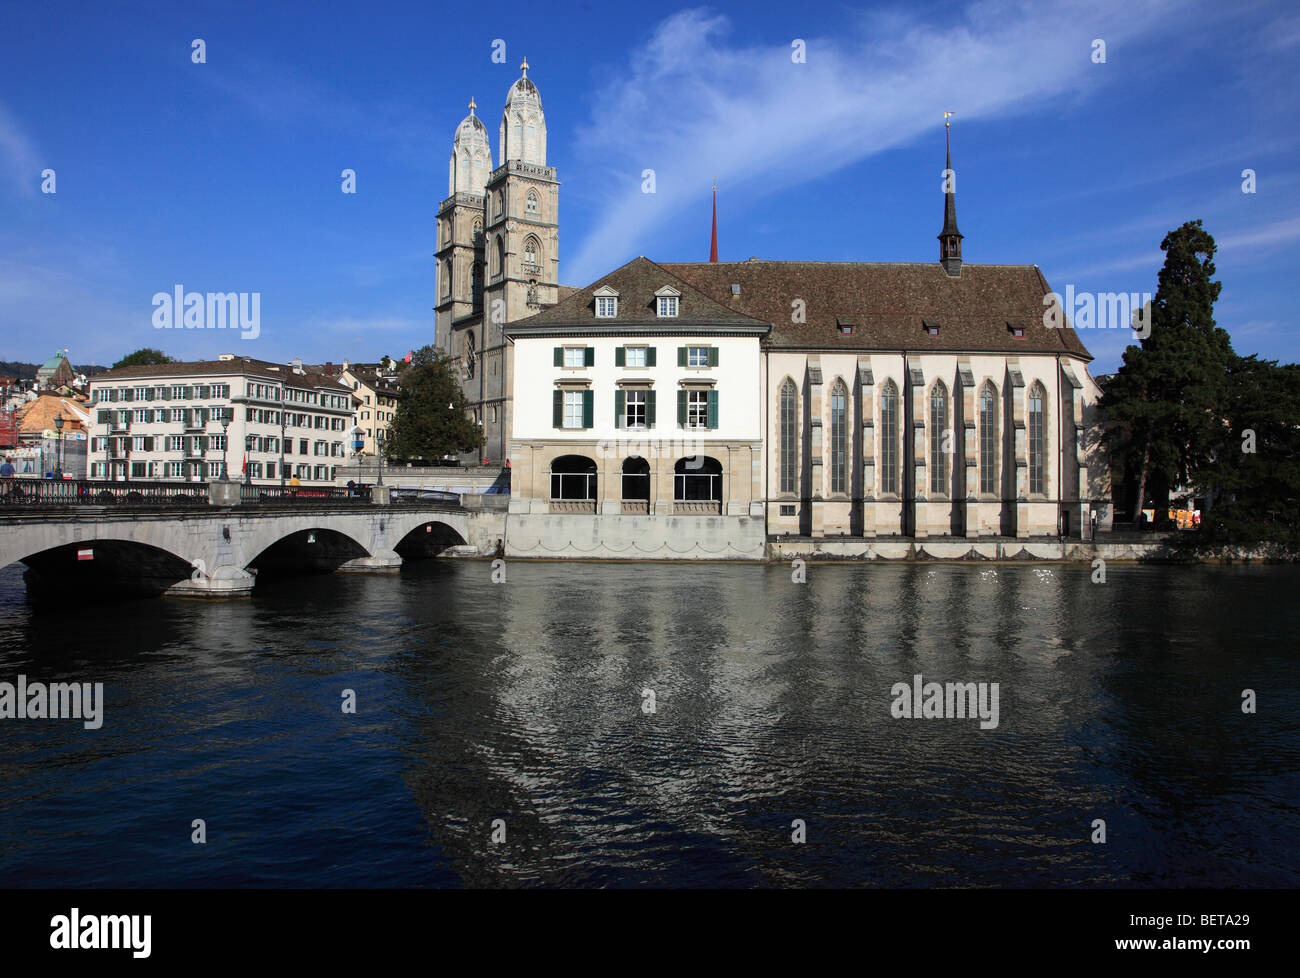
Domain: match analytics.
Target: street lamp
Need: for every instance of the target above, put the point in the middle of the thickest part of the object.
(358, 443)
(58, 429)
(225, 445)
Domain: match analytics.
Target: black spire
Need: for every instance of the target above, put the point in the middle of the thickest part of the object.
(949, 237)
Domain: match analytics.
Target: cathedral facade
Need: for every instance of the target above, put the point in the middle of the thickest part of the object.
(497, 252)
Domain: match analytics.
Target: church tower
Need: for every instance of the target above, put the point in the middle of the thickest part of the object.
(523, 198)
(949, 237)
(497, 254)
(459, 252)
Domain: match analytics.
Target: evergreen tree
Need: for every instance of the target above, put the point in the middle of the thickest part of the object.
(1164, 406)
(432, 416)
(1253, 481)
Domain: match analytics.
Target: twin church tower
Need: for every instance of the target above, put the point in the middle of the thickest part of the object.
(497, 253)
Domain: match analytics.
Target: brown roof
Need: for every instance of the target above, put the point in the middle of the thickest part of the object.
(888, 304)
(310, 377)
(636, 284)
(38, 415)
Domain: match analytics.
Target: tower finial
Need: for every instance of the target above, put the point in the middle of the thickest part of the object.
(524, 67)
(472, 105)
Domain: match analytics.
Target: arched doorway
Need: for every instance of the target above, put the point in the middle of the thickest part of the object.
(636, 485)
(697, 485)
(573, 484)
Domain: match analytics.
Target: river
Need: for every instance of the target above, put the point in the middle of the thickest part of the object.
(663, 725)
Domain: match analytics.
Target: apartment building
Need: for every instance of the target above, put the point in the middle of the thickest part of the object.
(235, 416)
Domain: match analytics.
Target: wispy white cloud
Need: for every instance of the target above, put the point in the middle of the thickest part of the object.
(19, 159)
(690, 103)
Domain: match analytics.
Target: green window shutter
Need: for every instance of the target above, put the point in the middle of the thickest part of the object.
(557, 414)
(681, 407)
(681, 356)
(559, 356)
(620, 402)
(588, 398)
(650, 405)
(620, 356)
(650, 357)
(589, 357)
(713, 409)
(713, 356)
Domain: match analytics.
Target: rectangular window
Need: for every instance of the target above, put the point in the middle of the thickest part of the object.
(635, 356)
(606, 306)
(573, 409)
(787, 509)
(697, 356)
(697, 409)
(574, 356)
(667, 306)
(635, 408)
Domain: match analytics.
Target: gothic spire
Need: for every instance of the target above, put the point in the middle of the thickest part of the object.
(949, 237)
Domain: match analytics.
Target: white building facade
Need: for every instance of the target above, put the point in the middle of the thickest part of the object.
(165, 422)
(639, 426)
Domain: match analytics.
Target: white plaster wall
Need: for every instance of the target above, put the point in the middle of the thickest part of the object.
(737, 376)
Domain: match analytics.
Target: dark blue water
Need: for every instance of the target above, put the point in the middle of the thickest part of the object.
(523, 702)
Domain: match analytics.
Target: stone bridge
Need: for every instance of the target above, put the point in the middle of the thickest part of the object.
(211, 551)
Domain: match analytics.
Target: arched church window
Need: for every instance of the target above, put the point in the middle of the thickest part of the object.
(1034, 423)
(789, 436)
(889, 439)
(532, 206)
(530, 250)
(839, 438)
(446, 277)
(499, 260)
(988, 439)
(478, 233)
(938, 448)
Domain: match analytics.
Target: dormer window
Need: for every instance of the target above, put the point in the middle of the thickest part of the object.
(666, 301)
(606, 303)
(932, 329)
(845, 326)
(1017, 330)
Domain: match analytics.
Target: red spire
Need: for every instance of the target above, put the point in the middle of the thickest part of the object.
(713, 246)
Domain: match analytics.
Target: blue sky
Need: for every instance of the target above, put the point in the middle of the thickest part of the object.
(225, 176)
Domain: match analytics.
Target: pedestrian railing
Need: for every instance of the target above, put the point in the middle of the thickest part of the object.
(87, 492)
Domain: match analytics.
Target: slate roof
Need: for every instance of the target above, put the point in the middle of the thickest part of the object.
(246, 366)
(888, 304)
(636, 284)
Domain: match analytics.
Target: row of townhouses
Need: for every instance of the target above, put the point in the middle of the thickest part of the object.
(232, 416)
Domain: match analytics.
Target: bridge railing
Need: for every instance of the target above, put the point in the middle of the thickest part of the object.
(29, 493)
(86, 492)
(304, 494)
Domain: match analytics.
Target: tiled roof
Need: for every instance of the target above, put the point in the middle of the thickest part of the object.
(636, 284)
(246, 366)
(38, 415)
(888, 304)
